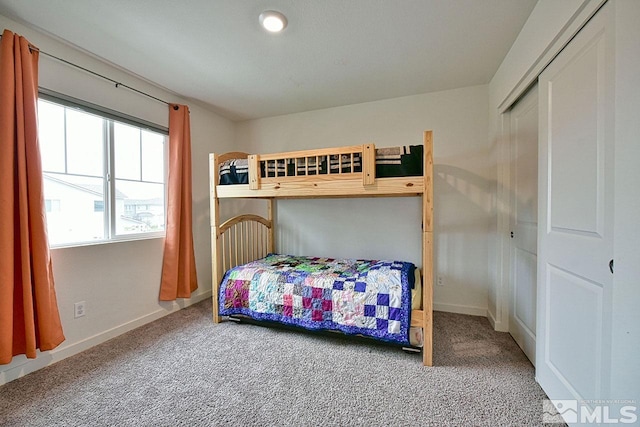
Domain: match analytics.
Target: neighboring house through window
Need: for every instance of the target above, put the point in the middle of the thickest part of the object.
(98, 206)
(104, 175)
(52, 205)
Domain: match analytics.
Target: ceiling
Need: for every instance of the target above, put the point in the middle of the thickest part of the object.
(333, 52)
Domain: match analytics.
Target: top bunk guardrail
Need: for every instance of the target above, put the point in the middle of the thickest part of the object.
(353, 162)
(350, 171)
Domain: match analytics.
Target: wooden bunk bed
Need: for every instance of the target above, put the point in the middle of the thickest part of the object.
(246, 238)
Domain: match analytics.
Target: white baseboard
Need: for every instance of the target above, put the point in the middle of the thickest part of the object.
(50, 357)
(492, 319)
(497, 324)
(460, 309)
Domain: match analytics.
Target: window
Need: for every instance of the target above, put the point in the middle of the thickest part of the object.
(104, 175)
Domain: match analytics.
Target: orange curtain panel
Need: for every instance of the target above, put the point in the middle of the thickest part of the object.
(29, 317)
(179, 264)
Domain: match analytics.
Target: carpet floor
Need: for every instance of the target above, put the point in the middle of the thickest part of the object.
(183, 370)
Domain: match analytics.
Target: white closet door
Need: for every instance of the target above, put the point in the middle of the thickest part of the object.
(524, 222)
(575, 237)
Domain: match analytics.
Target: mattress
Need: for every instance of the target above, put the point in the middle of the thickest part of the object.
(416, 337)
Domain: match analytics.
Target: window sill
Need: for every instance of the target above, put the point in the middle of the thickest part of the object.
(122, 239)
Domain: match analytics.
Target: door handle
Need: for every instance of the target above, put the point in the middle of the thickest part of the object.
(611, 266)
(512, 234)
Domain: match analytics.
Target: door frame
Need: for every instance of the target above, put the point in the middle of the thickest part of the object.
(500, 319)
(522, 334)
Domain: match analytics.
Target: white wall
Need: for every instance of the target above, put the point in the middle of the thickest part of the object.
(390, 228)
(119, 281)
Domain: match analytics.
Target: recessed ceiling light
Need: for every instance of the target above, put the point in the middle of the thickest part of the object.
(273, 21)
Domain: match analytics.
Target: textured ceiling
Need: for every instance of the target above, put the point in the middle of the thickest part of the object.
(333, 52)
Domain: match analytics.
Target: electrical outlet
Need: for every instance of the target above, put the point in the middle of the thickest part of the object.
(440, 281)
(79, 309)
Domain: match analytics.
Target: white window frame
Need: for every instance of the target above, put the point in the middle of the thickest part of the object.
(108, 179)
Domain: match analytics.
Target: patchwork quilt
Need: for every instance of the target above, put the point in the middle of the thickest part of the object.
(370, 298)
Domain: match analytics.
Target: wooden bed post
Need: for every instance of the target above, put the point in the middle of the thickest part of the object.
(270, 216)
(214, 209)
(254, 171)
(368, 164)
(427, 251)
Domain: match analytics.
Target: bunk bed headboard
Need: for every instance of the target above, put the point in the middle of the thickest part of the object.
(233, 155)
(243, 239)
(237, 241)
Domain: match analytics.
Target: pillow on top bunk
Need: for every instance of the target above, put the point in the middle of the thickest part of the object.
(234, 171)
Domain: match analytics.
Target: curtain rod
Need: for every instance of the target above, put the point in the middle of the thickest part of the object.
(117, 83)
